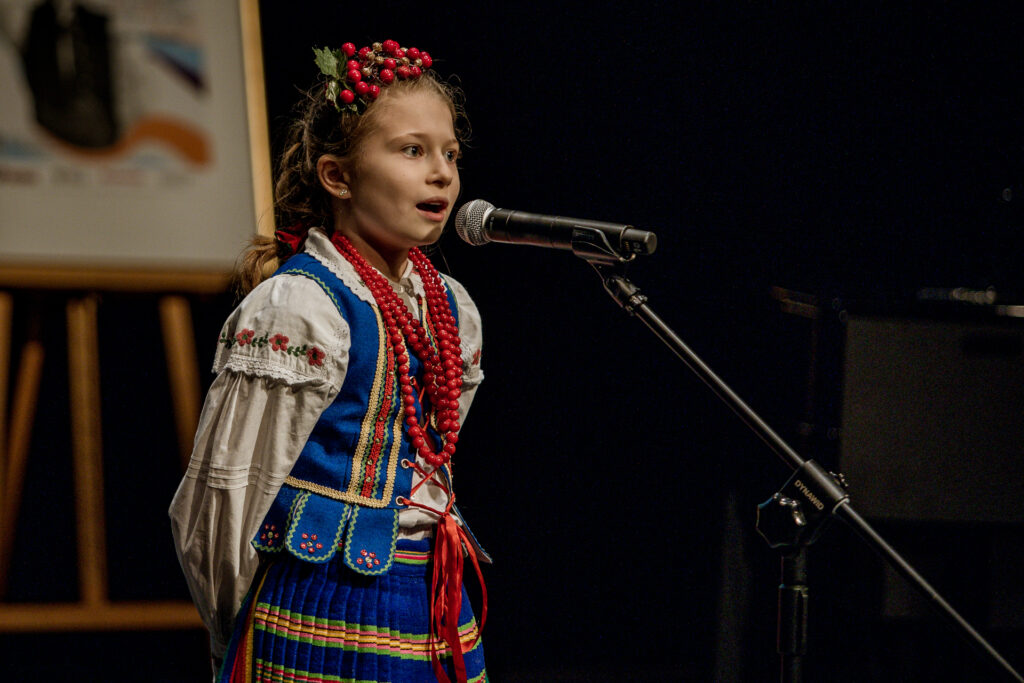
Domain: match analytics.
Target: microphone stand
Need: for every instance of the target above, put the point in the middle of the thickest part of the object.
(793, 517)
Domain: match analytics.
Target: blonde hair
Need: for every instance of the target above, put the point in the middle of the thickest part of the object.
(318, 128)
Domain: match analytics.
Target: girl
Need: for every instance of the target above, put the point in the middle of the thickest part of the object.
(326, 438)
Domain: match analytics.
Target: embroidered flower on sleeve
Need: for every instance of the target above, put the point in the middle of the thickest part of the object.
(315, 356)
(278, 343)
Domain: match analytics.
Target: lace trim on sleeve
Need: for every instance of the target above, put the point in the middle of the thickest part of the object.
(259, 367)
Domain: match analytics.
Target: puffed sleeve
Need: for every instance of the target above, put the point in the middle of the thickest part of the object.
(281, 359)
(471, 333)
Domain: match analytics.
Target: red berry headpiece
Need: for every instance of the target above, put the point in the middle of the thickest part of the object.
(355, 77)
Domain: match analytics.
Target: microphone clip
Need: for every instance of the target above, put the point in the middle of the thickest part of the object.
(592, 245)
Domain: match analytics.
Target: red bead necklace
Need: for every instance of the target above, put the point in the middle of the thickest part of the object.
(442, 364)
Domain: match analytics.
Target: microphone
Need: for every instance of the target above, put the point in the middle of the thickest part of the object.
(479, 222)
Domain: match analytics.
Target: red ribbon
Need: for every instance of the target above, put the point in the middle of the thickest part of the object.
(446, 595)
(293, 236)
(451, 545)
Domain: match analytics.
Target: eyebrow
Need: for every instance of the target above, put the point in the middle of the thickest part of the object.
(422, 136)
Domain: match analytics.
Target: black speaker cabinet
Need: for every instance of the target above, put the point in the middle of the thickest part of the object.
(932, 418)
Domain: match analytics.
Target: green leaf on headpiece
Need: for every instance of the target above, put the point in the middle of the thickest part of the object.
(332, 91)
(327, 61)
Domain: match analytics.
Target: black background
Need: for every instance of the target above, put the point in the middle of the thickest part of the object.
(858, 151)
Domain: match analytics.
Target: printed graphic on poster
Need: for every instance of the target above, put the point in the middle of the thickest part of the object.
(123, 133)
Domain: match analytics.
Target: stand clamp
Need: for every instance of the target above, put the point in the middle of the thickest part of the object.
(792, 519)
(795, 516)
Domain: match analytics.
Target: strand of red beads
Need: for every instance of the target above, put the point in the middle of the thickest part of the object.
(442, 375)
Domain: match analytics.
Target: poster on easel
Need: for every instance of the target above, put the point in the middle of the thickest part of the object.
(126, 134)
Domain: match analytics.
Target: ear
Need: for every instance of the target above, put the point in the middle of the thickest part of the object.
(334, 176)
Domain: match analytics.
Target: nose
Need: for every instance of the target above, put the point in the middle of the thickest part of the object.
(442, 171)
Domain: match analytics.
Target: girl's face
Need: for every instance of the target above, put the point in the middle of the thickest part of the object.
(404, 180)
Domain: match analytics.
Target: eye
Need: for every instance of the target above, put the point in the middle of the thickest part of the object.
(452, 155)
(412, 151)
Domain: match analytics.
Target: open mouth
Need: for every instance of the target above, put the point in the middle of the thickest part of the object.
(432, 207)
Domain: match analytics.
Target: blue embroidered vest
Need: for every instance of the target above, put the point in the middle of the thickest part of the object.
(342, 491)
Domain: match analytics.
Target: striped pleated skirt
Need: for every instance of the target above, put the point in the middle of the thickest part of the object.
(323, 622)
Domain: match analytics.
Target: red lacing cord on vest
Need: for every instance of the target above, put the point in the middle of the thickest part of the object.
(450, 541)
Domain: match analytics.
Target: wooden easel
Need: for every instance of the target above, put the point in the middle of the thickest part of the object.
(94, 611)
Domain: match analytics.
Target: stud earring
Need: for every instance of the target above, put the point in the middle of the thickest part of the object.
(342, 192)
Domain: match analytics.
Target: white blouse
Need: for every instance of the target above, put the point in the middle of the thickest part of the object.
(259, 412)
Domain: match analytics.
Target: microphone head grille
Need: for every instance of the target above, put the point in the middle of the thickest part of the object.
(469, 221)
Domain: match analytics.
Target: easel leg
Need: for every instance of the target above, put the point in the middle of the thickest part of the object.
(182, 369)
(94, 611)
(23, 410)
(6, 311)
(84, 376)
